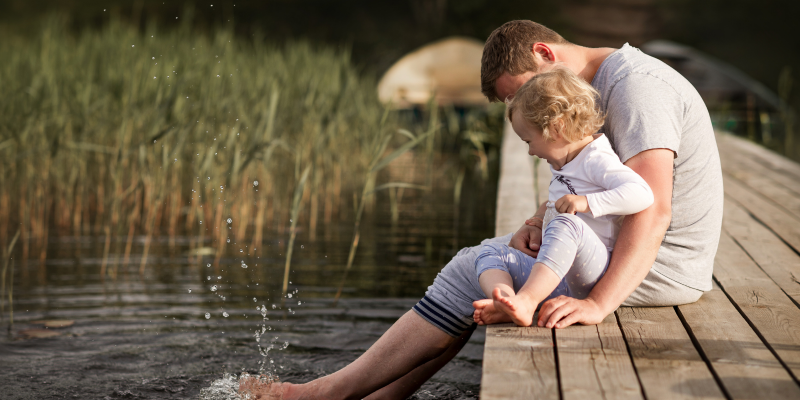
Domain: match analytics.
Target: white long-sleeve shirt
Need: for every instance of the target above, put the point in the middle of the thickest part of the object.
(612, 189)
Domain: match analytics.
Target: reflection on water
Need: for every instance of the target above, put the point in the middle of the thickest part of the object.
(184, 323)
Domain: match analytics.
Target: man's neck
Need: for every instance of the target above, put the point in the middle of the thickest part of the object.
(585, 61)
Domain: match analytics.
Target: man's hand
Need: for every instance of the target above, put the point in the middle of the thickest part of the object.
(572, 204)
(528, 239)
(564, 311)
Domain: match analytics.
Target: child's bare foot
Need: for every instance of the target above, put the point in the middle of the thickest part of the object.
(519, 308)
(261, 388)
(486, 313)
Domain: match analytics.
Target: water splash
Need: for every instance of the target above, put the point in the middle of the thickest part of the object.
(227, 388)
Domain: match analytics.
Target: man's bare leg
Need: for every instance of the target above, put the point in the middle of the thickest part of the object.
(409, 383)
(408, 344)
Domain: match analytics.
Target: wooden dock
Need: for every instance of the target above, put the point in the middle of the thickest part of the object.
(739, 341)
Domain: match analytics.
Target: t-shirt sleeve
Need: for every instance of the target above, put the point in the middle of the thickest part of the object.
(643, 112)
(626, 192)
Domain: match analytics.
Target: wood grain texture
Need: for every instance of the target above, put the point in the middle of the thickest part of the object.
(594, 363)
(735, 160)
(785, 167)
(747, 369)
(666, 361)
(519, 363)
(515, 189)
(774, 257)
(786, 225)
(757, 178)
(769, 310)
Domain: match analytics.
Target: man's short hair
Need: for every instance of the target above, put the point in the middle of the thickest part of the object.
(509, 49)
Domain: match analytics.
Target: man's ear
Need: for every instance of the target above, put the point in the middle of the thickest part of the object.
(544, 51)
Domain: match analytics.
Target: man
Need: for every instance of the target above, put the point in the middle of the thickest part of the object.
(660, 128)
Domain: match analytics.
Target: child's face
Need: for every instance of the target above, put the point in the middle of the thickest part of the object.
(532, 135)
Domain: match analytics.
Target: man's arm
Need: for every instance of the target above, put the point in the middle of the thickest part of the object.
(637, 246)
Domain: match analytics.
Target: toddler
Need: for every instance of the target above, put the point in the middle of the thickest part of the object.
(591, 191)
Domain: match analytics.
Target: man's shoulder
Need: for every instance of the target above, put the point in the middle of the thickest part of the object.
(635, 69)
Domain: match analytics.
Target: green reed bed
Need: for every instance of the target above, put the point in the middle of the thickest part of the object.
(122, 132)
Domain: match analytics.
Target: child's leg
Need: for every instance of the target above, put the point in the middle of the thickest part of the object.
(571, 254)
(503, 269)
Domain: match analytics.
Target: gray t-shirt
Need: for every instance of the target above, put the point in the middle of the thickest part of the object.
(649, 105)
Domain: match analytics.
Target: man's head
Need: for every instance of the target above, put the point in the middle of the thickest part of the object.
(508, 57)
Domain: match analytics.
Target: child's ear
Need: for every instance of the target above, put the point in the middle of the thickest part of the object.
(556, 129)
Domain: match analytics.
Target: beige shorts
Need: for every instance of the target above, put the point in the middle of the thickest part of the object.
(657, 290)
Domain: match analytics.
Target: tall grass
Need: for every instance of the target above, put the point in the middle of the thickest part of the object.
(129, 133)
(115, 131)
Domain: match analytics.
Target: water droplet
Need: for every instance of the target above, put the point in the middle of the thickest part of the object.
(229, 219)
(219, 277)
(229, 240)
(133, 45)
(302, 247)
(289, 295)
(274, 306)
(255, 300)
(214, 288)
(208, 278)
(208, 265)
(153, 57)
(224, 314)
(223, 188)
(244, 265)
(190, 290)
(298, 303)
(208, 315)
(255, 183)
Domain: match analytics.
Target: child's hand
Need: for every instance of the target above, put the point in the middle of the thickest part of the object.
(572, 204)
(534, 221)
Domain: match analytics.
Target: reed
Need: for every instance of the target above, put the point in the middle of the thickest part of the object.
(135, 133)
(788, 115)
(298, 194)
(120, 132)
(7, 251)
(379, 161)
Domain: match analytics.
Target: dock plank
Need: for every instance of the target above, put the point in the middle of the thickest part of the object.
(770, 311)
(756, 179)
(666, 361)
(736, 159)
(519, 363)
(774, 257)
(515, 190)
(776, 218)
(774, 161)
(594, 363)
(747, 369)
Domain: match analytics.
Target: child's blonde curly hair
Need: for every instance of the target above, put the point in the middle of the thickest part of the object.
(558, 95)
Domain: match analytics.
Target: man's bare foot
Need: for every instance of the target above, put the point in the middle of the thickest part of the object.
(486, 313)
(519, 308)
(261, 388)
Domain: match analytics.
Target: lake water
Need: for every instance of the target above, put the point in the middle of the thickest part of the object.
(171, 332)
